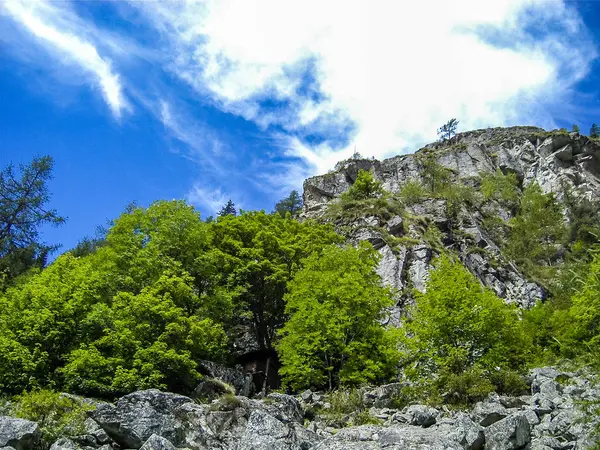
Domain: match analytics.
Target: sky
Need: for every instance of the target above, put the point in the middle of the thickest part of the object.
(205, 101)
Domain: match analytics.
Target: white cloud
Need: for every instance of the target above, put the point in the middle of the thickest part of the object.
(396, 70)
(211, 200)
(48, 25)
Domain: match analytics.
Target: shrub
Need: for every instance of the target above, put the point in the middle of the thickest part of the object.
(56, 414)
(413, 192)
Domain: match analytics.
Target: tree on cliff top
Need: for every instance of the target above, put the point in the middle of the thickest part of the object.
(446, 131)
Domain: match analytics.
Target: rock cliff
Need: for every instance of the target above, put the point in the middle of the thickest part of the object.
(566, 164)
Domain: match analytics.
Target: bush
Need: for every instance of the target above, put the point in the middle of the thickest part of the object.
(364, 187)
(57, 414)
(413, 192)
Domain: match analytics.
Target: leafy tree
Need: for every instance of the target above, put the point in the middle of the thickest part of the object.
(23, 210)
(461, 334)
(364, 187)
(413, 192)
(595, 131)
(153, 339)
(582, 330)
(448, 130)
(228, 209)
(436, 178)
(575, 128)
(259, 253)
(334, 335)
(291, 204)
(537, 229)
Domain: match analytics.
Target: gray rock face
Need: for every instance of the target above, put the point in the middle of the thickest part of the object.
(558, 162)
(18, 433)
(139, 415)
(421, 415)
(510, 433)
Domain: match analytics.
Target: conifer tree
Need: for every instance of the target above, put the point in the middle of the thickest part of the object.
(228, 209)
(595, 131)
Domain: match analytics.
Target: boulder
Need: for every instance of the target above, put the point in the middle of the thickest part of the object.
(510, 433)
(463, 430)
(421, 415)
(211, 389)
(383, 396)
(156, 442)
(488, 412)
(139, 415)
(284, 408)
(18, 433)
(65, 444)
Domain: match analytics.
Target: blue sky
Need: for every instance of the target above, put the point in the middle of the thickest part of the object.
(210, 100)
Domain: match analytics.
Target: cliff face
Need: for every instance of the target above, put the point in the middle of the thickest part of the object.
(566, 164)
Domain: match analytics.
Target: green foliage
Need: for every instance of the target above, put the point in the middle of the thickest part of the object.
(333, 335)
(413, 192)
(462, 333)
(228, 209)
(436, 178)
(365, 186)
(258, 255)
(137, 312)
(582, 333)
(23, 210)
(537, 229)
(57, 414)
(501, 188)
(291, 204)
(448, 130)
(575, 128)
(595, 131)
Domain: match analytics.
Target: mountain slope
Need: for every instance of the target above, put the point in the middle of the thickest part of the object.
(424, 219)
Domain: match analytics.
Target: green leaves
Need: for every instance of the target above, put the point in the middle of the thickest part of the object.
(333, 334)
(458, 326)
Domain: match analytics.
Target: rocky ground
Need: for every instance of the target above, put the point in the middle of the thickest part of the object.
(555, 416)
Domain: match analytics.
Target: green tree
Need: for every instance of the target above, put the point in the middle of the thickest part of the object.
(448, 130)
(582, 328)
(259, 253)
(154, 339)
(228, 209)
(537, 229)
(334, 335)
(291, 204)
(575, 128)
(595, 131)
(460, 332)
(365, 186)
(23, 210)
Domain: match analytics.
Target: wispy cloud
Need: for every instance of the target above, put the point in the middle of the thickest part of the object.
(211, 200)
(396, 70)
(40, 20)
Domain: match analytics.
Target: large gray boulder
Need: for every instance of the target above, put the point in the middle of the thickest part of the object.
(156, 442)
(370, 437)
(463, 430)
(18, 433)
(139, 415)
(511, 433)
(421, 415)
(488, 412)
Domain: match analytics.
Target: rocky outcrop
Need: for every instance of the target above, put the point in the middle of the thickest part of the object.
(18, 433)
(553, 416)
(559, 162)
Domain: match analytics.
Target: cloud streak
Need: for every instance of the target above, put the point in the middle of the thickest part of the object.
(38, 19)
